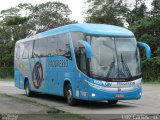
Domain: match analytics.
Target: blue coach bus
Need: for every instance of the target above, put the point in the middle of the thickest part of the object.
(93, 62)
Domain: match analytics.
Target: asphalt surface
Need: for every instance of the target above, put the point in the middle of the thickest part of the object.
(15, 106)
(148, 104)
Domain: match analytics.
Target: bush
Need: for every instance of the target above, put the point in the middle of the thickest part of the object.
(151, 70)
(6, 72)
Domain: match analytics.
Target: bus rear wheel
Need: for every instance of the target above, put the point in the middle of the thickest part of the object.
(28, 92)
(69, 95)
(112, 102)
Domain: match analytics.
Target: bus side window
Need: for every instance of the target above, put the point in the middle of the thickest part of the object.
(52, 46)
(75, 37)
(25, 52)
(82, 59)
(64, 46)
(30, 49)
(40, 48)
(19, 51)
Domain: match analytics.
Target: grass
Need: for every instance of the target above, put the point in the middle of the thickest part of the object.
(50, 110)
(7, 79)
(1, 116)
(152, 82)
(4, 95)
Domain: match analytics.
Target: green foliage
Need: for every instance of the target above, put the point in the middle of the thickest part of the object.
(25, 20)
(6, 58)
(151, 70)
(149, 25)
(6, 72)
(117, 12)
(1, 116)
(15, 20)
(147, 30)
(37, 18)
(49, 15)
(136, 14)
(104, 11)
(156, 8)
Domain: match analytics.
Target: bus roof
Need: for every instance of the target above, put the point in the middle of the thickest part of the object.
(97, 29)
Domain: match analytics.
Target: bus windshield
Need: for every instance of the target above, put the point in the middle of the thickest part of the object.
(114, 57)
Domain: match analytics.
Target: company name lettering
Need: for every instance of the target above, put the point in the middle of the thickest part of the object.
(58, 63)
(125, 83)
(106, 84)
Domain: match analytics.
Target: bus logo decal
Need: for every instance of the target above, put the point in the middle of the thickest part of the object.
(37, 75)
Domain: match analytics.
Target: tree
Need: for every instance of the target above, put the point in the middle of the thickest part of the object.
(49, 15)
(155, 8)
(138, 13)
(26, 20)
(23, 21)
(15, 25)
(147, 30)
(118, 12)
(104, 11)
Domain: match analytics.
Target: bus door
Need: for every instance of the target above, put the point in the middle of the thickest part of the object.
(83, 86)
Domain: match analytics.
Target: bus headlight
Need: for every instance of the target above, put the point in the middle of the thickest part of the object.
(140, 93)
(93, 94)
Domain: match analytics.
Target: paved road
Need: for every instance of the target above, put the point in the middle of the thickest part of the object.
(149, 103)
(15, 106)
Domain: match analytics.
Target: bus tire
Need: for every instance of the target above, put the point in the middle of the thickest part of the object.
(28, 92)
(112, 102)
(69, 95)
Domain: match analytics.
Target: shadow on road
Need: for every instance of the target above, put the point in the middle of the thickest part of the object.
(82, 103)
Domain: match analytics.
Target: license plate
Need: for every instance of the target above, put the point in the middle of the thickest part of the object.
(119, 95)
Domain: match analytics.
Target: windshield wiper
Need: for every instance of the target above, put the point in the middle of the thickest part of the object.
(112, 65)
(125, 66)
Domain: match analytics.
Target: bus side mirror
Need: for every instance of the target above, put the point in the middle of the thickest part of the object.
(147, 48)
(87, 48)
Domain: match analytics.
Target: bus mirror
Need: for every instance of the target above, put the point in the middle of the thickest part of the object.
(87, 48)
(147, 48)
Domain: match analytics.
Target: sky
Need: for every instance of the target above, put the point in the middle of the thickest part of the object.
(76, 6)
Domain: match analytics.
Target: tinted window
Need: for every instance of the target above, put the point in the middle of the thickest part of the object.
(17, 50)
(30, 49)
(28, 46)
(40, 48)
(63, 45)
(52, 46)
(20, 48)
(82, 60)
(25, 52)
(76, 36)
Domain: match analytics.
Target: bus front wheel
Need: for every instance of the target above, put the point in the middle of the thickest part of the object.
(69, 95)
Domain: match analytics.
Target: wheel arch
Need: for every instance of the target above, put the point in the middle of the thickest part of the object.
(25, 80)
(66, 82)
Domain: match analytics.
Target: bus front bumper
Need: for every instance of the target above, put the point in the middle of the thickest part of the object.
(100, 95)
